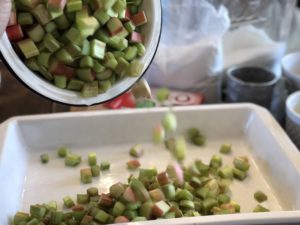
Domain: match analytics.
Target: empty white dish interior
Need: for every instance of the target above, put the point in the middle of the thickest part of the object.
(151, 32)
(293, 107)
(251, 131)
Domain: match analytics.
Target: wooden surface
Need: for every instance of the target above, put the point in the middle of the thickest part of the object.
(16, 99)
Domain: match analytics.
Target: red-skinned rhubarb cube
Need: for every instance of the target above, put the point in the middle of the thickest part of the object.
(136, 37)
(160, 208)
(129, 195)
(14, 33)
(139, 18)
(127, 15)
(121, 219)
(12, 18)
(163, 178)
(114, 26)
(57, 67)
(133, 164)
(56, 5)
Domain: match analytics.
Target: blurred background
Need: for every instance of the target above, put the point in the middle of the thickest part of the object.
(200, 40)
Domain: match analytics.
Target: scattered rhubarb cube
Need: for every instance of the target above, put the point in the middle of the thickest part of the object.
(14, 33)
(136, 37)
(56, 5)
(157, 195)
(139, 18)
(160, 208)
(114, 26)
(28, 48)
(129, 195)
(175, 173)
(133, 164)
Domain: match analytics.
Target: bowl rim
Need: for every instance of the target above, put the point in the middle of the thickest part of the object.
(290, 107)
(137, 79)
(284, 60)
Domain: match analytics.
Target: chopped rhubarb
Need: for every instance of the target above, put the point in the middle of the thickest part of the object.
(14, 33)
(57, 67)
(129, 195)
(160, 208)
(133, 164)
(136, 37)
(175, 172)
(114, 26)
(127, 15)
(121, 219)
(56, 5)
(139, 18)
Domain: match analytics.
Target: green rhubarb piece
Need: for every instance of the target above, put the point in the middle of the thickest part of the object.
(85, 48)
(120, 6)
(146, 210)
(110, 61)
(90, 89)
(68, 202)
(225, 148)
(260, 208)
(63, 152)
(208, 204)
(139, 189)
(139, 218)
(28, 3)
(114, 26)
(78, 215)
(72, 160)
(28, 48)
(117, 190)
(101, 16)
(56, 217)
(95, 170)
(118, 54)
(75, 85)
(98, 68)
(41, 14)
(102, 216)
(130, 53)
(33, 221)
(187, 204)
(82, 198)
(183, 195)
(85, 75)
(44, 158)
(87, 25)
(223, 198)
(226, 173)
(20, 217)
(52, 205)
(216, 161)
(92, 191)
(25, 18)
(118, 209)
(260, 196)
(55, 14)
(169, 191)
(74, 5)
(86, 175)
(73, 50)
(44, 71)
(133, 205)
(92, 158)
(130, 214)
(241, 163)
(60, 81)
(97, 49)
(104, 86)
(122, 67)
(169, 122)
(170, 215)
(37, 211)
(130, 27)
(62, 22)
(109, 4)
(162, 94)
(239, 174)
(36, 33)
(106, 74)
(51, 43)
(86, 62)
(147, 174)
(64, 56)
(105, 165)
(73, 35)
(141, 49)
(44, 58)
(135, 69)
(118, 42)
(136, 151)
(102, 35)
(32, 64)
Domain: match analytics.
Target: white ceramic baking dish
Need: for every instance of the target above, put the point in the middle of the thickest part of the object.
(252, 131)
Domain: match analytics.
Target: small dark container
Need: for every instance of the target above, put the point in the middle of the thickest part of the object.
(250, 84)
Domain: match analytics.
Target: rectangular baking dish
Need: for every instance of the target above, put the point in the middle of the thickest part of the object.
(252, 131)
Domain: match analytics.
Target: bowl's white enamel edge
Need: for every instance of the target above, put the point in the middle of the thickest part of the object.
(64, 96)
(245, 218)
